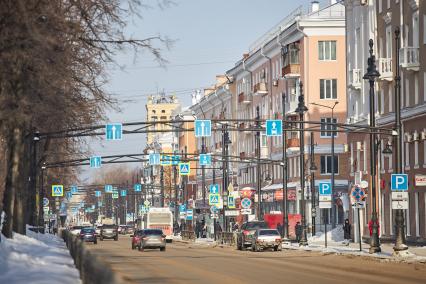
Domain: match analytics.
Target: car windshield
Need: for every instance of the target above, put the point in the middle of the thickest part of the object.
(268, 233)
(257, 225)
(153, 232)
(108, 227)
(87, 230)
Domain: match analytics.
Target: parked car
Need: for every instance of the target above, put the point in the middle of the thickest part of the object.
(152, 238)
(136, 238)
(246, 232)
(266, 238)
(109, 232)
(88, 235)
(98, 230)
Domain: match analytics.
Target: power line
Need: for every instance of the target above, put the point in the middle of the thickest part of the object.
(172, 65)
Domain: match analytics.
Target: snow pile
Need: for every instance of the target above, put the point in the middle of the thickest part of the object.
(36, 258)
(335, 235)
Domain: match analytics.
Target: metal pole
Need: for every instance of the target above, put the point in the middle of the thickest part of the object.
(284, 161)
(359, 229)
(399, 213)
(226, 177)
(313, 185)
(223, 172)
(203, 173)
(371, 75)
(301, 110)
(333, 204)
(176, 194)
(162, 186)
(258, 174)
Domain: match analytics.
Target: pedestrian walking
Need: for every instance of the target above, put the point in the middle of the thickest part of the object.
(347, 230)
(298, 229)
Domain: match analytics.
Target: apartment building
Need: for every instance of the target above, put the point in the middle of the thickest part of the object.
(378, 20)
(308, 48)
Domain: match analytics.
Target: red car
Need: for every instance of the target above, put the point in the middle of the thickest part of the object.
(136, 238)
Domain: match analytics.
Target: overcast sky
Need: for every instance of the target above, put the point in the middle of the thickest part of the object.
(210, 36)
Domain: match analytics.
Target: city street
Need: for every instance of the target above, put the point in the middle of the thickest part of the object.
(194, 263)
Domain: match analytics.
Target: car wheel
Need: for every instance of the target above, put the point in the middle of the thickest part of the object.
(95, 242)
(256, 248)
(116, 238)
(163, 249)
(276, 248)
(239, 247)
(253, 247)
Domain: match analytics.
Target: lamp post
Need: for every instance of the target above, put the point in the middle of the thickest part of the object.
(400, 245)
(333, 169)
(284, 177)
(313, 168)
(258, 174)
(301, 109)
(371, 75)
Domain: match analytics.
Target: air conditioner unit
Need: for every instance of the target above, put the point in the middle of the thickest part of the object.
(275, 82)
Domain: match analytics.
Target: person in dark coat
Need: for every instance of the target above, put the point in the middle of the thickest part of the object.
(347, 230)
(280, 229)
(298, 229)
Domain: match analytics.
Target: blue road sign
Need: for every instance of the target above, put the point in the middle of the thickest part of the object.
(325, 188)
(214, 188)
(184, 169)
(123, 193)
(74, 189)
(175, 160)
(166, 160)
(203, 128)
(189, 214)
(69, 195)
(114, 131)
(274, 127)
(246, 203)
(57, 190)
(182, 208)
(399, 182)
(213, 209)
(231, 202)
(205, 159)
(95, 162)
(154, 159)
(97, 193)
(99, 203)
(108, 188)
(45, 201)
(358, 194)
(214, 199)
(137, 187)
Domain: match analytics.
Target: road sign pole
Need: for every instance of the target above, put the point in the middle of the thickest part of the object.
(325, 229)
(258, 174)
(359, 230)
(284, 165)
(162, 186)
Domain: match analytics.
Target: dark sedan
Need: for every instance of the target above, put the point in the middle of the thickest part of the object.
(88, 235)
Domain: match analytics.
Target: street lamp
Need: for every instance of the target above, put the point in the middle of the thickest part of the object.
(301, 109)
(371, 76)
(333, 170)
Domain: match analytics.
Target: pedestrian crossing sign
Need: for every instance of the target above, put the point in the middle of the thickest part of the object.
(184, 169)
(214, 198)
(57, 190)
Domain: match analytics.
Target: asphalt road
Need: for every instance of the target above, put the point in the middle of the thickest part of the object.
(183, 263)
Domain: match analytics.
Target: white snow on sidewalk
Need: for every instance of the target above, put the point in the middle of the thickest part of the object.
(335, 235)
(36, 259)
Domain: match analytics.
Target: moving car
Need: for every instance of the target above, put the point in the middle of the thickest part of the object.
(136, 238)
(266, 238)
(88, 235)
(98, 230)
(152, 238)
(246, 232)
(109, 232)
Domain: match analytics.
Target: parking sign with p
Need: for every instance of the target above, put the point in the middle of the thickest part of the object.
(399, 182)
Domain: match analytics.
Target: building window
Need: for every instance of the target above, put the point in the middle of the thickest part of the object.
(326, 165)
(326, 127)
(163, 111)
(327, 50)
(328, 88)
(291, 54)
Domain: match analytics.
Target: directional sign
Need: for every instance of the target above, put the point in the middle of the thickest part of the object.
(274, 127)
(154, 159)
(74, 189)
(175, 160)
(231, 202)
(97, 193)
(108, 188)
(166, 160)
(137, 187)
(123, 193)
(246, 203)
(203, 128)
(214, 188)
(184, 169)
(57, 190)
(95, 162)
(324, 188)
(214, 199)
(45, 201)
(205, 159)
(114, 131)
(399, 182)
(189, 214)
(232, 213)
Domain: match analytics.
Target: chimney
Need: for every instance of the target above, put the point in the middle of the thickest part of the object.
(315, 6)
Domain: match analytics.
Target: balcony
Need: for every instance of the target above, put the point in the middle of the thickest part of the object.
(245, 99)
(260, 88)
(291, 71)
(409, 58)
(385, 69)
(355, 77)
(292, 142)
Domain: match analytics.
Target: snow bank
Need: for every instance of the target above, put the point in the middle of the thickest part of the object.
(335, 235)
(36, 259)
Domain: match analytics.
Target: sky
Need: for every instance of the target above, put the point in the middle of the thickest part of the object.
(209, 36)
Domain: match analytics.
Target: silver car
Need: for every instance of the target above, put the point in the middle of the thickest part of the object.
(152, 238)
(266, 238)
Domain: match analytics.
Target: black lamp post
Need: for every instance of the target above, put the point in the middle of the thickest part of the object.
(313, 168)
(284, 165)
(371, 76)
(258, 174)
(301, 109)
(400, 245)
